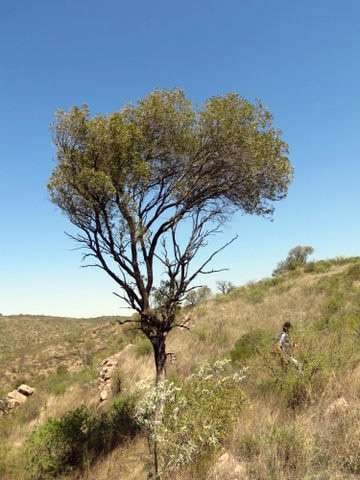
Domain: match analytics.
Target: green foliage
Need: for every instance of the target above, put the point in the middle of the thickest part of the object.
(251, 344)
(197, 414)
(77, 439)
(297, 257)
(99, 156)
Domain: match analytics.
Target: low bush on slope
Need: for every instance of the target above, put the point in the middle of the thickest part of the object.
(77, 439)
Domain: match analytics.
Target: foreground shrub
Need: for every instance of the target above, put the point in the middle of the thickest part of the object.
(78, 438)
(196, 414)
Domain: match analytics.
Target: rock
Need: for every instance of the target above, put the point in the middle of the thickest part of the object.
(25, 390)
(104, 395)
(338, 406)
(107, 368)
(16, 397)
(12, 403)
(228, 467)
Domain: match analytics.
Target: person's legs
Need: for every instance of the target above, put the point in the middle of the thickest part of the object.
(296, 363)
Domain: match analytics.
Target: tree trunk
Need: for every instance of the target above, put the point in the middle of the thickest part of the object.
(159, 346)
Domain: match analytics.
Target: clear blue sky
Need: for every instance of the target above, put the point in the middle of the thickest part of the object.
(301, 58)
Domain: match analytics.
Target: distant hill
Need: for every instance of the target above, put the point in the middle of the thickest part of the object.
(34, 346)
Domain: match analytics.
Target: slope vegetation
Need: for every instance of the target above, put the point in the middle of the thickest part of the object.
(292, 424)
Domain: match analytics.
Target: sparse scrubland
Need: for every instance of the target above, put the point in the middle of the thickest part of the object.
(231, 409)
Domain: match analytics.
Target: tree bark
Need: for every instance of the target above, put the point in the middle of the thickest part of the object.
(159, 346)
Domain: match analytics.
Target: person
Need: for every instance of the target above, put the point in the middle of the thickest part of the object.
(286, 347)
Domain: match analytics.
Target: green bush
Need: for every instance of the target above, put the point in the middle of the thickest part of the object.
(297, 257)
(250, 344)
(197, 414)
(77, 439)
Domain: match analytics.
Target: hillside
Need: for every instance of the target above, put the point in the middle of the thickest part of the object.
(34, 347)
(290, 425)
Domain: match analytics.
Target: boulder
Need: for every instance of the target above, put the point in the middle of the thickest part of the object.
(16, 397)
(104, 395)
(25, 390)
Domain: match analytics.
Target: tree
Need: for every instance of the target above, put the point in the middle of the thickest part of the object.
(296, 257)
(130, 179)
(197, 296)
(224, 286)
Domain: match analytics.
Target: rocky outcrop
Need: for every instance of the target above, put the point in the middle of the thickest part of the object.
(107, 381)
(15, 398)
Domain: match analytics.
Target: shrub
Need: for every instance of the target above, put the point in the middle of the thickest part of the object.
(197, 414)
(78, 438)
(297, 257)
(250, 344)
